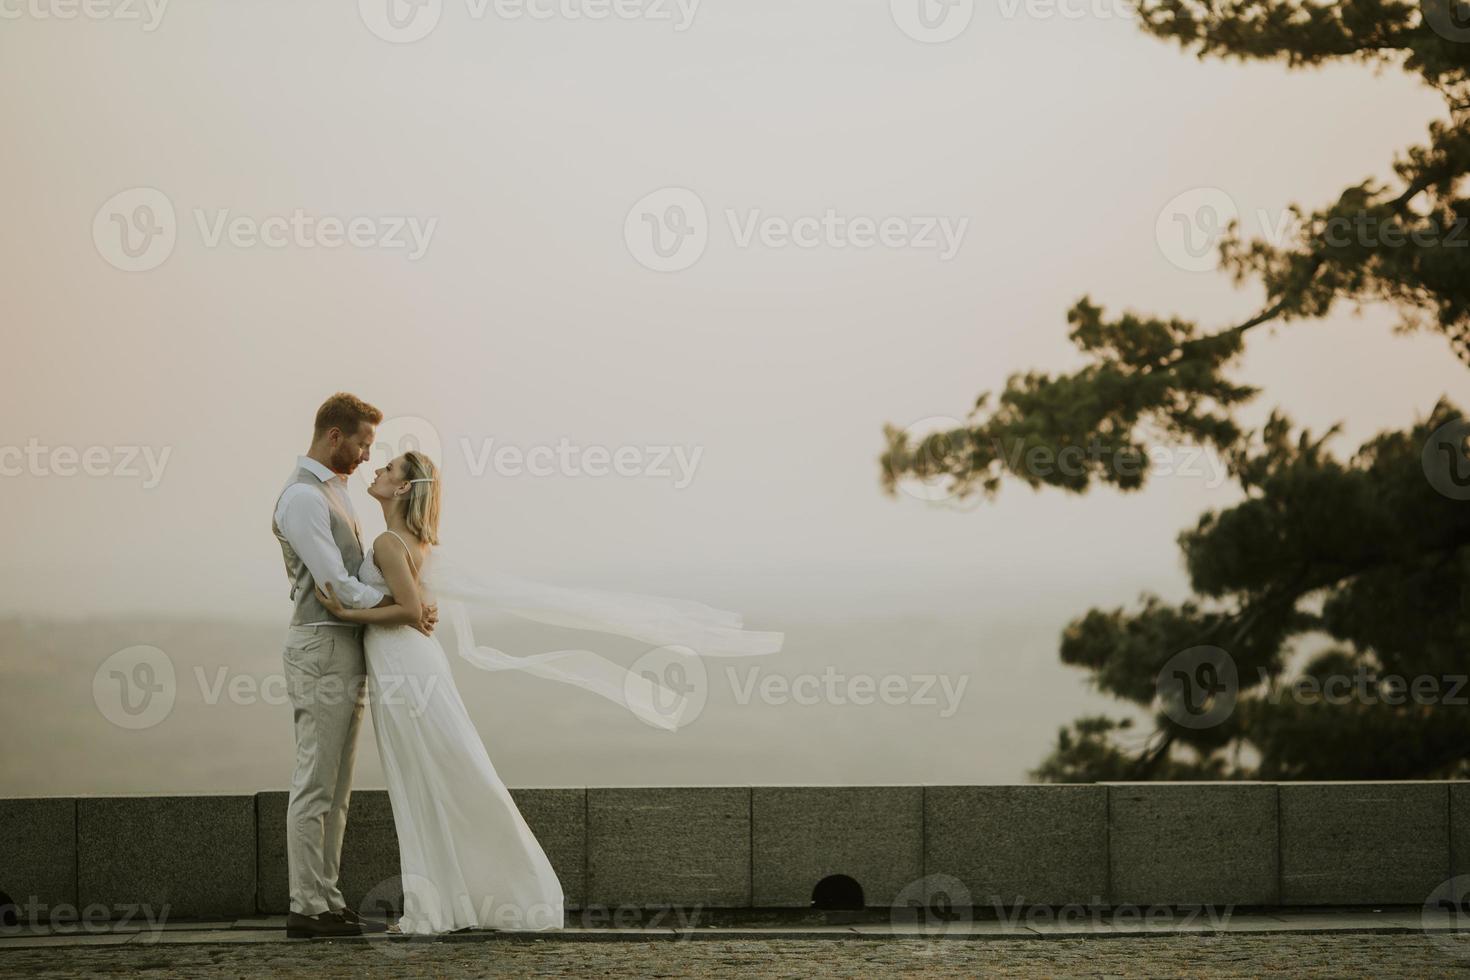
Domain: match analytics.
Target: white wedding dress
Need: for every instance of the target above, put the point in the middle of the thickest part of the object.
(467, 858)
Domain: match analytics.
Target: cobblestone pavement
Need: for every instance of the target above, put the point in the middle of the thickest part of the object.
(1335, 955)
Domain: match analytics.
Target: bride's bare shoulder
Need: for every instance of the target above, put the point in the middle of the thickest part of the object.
(389, 544)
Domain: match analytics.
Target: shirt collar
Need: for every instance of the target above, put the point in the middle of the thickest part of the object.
(317, 469)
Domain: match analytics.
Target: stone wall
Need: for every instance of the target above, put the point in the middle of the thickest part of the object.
(1136, 844)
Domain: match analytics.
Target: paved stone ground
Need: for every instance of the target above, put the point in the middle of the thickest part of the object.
(1314, 955)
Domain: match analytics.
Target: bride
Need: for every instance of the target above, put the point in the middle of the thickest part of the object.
(467, 858)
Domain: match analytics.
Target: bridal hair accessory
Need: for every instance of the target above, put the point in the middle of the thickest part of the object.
(423, 479)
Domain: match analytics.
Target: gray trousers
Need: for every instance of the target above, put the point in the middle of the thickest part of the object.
(325, 674)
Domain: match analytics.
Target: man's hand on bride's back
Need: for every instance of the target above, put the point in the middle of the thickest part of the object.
(429, 619)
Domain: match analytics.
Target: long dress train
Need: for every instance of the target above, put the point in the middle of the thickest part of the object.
(468, 859)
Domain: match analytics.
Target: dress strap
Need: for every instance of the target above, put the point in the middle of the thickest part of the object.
(411, 563)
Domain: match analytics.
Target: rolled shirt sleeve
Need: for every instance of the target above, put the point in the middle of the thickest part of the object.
(307, 524)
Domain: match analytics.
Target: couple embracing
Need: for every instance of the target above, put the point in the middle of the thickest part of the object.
(364, 623)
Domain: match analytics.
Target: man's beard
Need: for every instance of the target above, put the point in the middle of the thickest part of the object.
(344, 461)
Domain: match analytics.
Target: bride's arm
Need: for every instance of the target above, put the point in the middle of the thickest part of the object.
(406, 607)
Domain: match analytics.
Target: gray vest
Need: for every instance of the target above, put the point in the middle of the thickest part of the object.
(344, 534)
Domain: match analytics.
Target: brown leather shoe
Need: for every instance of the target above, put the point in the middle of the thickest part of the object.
(300, 926)
(364, 925)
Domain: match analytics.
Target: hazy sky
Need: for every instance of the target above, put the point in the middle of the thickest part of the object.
(517, 147)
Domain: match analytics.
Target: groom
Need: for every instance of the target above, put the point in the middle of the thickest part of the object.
(325, 670)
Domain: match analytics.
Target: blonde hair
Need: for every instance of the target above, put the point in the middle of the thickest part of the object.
(422, 509)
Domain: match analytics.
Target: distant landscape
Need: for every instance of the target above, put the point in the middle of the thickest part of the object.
(1012, 695)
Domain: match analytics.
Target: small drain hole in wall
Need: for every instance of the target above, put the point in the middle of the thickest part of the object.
(837, 892)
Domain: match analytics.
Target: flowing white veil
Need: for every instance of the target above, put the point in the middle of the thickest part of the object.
(683, 627)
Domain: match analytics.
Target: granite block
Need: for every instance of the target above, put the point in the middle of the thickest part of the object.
(993, 846)
(1193, 844)
(802, 834)
(173, 856)
(38, 857)
(686, 846)
(1363, 843)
